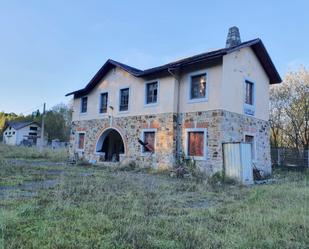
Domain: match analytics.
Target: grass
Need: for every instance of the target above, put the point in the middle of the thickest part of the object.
(93, 207)
(21, 152)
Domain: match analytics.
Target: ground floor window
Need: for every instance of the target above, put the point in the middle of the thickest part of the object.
(81, 141)
(250, 139)
(196, 143)
(149, 141)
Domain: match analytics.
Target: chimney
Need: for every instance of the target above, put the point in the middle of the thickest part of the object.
(233, 37)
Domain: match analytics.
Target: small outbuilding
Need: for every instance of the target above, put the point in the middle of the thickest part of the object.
(21, 133)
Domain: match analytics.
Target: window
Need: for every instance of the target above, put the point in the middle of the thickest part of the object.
(32, 128)
(198, 86)
(250, 139)
(149, 141)
(84, 101)
(124, 99)
(196, 143)
(151, 92)
(13, 132)
(6, 133)
(249, 93)
(32, 133)
(103, 102)
(81, 141)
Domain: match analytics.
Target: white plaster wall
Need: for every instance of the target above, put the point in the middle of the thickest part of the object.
(9, 139)
(238, 66)
(112, 83)
(213, 82)
(21, 133)
(225, 85)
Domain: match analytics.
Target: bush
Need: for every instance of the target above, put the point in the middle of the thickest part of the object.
(220, 178)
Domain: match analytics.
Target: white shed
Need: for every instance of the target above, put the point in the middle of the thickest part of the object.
(16, 133)
(238, 162)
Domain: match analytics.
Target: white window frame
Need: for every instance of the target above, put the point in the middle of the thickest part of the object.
(119, 99)
(81, 104)
(142, 137)
(186, 143)
(158, 93)
(254, 143)
(99, 105)
(77, 141)
(189, 83)
(248, 107)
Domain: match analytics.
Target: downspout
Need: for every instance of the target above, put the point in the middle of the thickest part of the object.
(176, 76)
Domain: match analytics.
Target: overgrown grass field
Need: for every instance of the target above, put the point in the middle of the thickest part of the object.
(96, 207)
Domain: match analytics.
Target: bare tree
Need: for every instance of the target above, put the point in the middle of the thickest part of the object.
(289, 111)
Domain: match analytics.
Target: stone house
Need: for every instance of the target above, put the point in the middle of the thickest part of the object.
(188, 107)
(17, 133)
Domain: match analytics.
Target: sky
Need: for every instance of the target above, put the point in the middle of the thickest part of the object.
(52, 47)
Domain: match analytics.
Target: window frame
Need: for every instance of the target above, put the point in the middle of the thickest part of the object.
(249, 109)
(186, 143)
(100, 99)
(142, 137)
(81, 105)
(254, 143)
(158, 93)
(77, 141)
(119, 99)
(189, 84)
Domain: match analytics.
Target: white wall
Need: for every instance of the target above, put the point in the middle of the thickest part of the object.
(112, 83)
(8, 136)
(225, 85)
(237, 67)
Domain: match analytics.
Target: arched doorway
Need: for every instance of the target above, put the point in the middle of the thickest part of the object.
(111, 145)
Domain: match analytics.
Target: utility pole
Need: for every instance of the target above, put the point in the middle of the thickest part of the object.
(42, 128)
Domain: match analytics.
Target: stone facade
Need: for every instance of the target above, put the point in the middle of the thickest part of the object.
(130, 128)
(222, 127)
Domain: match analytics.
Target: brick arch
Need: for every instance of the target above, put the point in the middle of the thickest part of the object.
(106, 128)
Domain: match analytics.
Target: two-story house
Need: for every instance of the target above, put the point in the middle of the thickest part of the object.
(188, 107)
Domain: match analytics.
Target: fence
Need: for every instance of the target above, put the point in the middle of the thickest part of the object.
(290, 157)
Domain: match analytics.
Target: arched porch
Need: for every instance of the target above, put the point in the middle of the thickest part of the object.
(110, 145)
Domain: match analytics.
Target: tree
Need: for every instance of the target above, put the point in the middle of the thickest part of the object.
(58, 122)
(289, 111)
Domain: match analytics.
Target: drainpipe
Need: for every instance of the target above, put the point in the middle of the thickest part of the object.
(175, 74)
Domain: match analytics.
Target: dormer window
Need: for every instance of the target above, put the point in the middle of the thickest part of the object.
(151, 92)
(83, 108)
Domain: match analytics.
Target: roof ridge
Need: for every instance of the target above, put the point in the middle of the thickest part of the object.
(256, 44)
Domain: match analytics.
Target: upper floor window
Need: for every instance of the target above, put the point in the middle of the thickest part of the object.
(83, 108)
(198, 86)
(124, 99)
(33, 128)
(103, 102)
(151, 92)
(249, 93)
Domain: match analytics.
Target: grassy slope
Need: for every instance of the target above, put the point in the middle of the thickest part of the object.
(112, 209)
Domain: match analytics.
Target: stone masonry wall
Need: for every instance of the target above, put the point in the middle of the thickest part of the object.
(130, 129)
(222, 127)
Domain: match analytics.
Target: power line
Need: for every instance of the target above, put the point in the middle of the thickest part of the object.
(32, 109)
